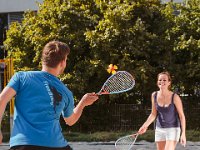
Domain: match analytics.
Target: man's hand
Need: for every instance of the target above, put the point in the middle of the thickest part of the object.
(89, 99)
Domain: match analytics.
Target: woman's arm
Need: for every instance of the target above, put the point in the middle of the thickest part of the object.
(179, 107)
(151, 117)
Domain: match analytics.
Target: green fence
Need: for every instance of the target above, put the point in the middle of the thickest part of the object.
(123, 117)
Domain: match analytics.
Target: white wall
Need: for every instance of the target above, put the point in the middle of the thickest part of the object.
(175, 1)
(7, 6)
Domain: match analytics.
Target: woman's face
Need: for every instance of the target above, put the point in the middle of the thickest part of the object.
(163, 81)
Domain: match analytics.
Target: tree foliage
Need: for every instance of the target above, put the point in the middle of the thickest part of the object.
(186, 46)
(143, 37)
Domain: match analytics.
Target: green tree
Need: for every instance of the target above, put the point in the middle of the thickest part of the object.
(132, 35)
(66, 21)
(143, 37)
(185, 40)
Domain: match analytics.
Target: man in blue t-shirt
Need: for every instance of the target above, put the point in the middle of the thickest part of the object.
(40, 99)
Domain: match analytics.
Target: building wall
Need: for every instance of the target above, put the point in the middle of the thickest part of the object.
(8, 6)
(175, 1)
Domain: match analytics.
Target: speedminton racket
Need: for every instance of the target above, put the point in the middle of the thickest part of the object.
(126, 142)
(119, 82)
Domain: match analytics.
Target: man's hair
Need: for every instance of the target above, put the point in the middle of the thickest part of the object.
(54, 52)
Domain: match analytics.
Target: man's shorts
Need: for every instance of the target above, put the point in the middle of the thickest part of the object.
(167, 134)
(32, 147)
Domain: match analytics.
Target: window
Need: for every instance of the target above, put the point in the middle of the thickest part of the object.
(3, 27)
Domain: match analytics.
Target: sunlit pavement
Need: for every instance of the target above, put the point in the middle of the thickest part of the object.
(141, 145)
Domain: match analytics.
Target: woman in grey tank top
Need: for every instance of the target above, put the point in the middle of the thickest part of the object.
(167, 110)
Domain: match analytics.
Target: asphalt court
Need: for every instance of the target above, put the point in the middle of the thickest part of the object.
(141, 145)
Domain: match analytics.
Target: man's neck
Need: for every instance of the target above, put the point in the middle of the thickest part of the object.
(53, 71)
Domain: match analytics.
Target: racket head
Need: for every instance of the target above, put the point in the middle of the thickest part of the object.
(119, 82)
(126, 142)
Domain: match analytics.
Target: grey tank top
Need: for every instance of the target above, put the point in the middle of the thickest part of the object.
(167, 117)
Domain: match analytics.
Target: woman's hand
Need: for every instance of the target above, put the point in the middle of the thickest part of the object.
(142, 129)
(183, 139)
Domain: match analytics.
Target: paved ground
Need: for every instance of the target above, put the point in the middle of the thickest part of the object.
(142, 145)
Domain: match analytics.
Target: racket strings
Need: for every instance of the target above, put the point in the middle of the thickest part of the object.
(125, 143)
(119, 82)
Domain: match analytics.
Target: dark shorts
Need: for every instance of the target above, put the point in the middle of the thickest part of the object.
(32, 147)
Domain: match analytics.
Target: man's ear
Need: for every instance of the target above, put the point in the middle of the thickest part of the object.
(62, 63)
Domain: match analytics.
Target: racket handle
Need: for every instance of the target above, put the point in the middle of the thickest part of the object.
(98, 93)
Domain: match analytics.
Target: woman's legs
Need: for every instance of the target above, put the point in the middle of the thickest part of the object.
(166, 145)
(167, 138)
(160, 145)
(170, 145)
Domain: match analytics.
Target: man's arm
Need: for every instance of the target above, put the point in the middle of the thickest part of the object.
(87, 99)
(5, 96)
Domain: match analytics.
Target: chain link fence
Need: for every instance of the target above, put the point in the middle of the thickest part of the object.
(119, 117)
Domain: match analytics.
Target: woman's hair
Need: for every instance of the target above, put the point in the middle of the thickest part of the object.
(54, 52)
(168, 75)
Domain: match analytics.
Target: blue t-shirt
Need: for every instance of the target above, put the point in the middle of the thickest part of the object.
(40, 100)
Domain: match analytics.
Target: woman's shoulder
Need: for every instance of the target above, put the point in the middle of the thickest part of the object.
(175, 94)
(154, 93)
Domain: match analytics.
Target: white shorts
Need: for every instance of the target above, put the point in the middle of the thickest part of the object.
(167, 134)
